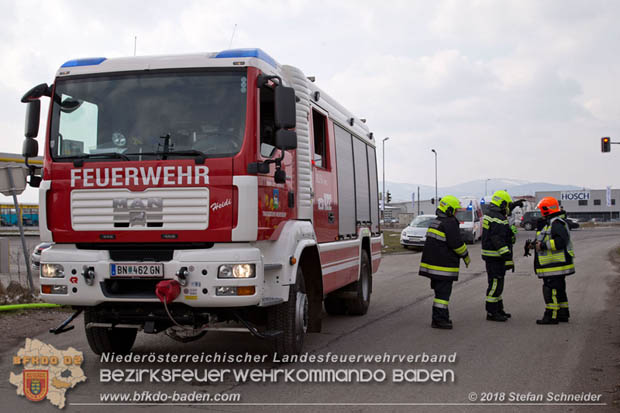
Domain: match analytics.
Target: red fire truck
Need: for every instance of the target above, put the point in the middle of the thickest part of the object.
(190, 193)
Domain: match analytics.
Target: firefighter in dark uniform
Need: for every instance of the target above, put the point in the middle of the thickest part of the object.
(498, 238)
(553, 261)
(440, 259)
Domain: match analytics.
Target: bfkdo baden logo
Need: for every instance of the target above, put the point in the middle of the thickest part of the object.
(35, 384)
(47, 372)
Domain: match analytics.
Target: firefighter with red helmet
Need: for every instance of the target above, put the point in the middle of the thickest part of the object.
(498, 236)
(443, 250)
(554, 260)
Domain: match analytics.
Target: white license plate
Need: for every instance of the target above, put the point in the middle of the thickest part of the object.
(137, 270)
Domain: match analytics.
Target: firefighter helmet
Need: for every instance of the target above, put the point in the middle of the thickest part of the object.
(501, 199)
(448, 204)
(548, 205)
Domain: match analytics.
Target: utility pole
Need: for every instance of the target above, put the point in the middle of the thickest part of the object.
(418, 200)
(18, 213)
(383, 205)
(436, 200)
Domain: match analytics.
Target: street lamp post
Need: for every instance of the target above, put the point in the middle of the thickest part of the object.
(435, 152)
(485, 186)
(383, 205)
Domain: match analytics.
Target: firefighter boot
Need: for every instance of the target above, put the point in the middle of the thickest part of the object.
(442, 324)
(563, 315)
(548, 318)
(441, 319)
(501, 309)
(496, 317)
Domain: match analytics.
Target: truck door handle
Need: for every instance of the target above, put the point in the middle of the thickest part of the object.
(330, 218)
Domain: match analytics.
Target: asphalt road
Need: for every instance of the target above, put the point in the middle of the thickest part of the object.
(494, 361)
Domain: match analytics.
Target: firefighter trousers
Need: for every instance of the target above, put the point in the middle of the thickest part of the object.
(496, 272)
(556, 300)
(443, 289)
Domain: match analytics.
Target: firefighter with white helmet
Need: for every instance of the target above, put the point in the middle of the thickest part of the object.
(554, 260)
(440, 259)
(497, 240)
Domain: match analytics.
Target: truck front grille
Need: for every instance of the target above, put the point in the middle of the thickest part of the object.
(152, 209)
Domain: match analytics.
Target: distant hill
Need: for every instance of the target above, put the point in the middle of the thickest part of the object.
(402, 191)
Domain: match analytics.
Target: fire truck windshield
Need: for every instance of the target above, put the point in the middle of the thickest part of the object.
(144, 115)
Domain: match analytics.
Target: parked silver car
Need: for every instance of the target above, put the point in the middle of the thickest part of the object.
(415, 233)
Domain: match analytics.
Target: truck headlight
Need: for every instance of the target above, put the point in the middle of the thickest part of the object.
(236, 271)
(52, 271)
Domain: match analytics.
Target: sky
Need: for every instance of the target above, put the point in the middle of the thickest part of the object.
(500, 89)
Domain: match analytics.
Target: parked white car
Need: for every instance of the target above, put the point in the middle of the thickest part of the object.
(415, 233)
(35, 258)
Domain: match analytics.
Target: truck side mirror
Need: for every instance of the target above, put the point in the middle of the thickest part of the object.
(286, 139)
(36, 92)
(285, 112)
(33, 115)
(30, 148)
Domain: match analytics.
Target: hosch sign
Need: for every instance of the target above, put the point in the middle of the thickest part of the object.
(576, 196)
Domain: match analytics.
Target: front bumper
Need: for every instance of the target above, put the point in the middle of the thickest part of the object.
(413, 241)
(200, 290)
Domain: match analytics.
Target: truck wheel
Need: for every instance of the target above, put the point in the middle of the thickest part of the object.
(291, 318)
(528, 226)
(102, 339)
(363, 288)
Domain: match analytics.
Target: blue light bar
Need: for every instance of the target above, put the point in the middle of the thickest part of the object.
(89, 61)
(258, 53)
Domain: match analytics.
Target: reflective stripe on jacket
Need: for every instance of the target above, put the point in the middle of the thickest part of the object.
(443, 249)
(557, 257)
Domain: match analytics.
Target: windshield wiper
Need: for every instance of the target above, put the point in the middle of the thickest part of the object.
(167, 148)
(78, 160)
(200, 156)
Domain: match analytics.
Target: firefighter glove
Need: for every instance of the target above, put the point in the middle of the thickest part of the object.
(467, 260)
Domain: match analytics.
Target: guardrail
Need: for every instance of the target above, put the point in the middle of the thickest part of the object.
(14, 231)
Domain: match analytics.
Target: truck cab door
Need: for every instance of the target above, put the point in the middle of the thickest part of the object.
(325, 211)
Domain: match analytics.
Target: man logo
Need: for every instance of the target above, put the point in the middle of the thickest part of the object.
(35, 384)
(138, 212)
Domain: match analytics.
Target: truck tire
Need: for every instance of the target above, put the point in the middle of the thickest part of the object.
(528, 226)
(101, 339)
(363, 288)
(291, 318)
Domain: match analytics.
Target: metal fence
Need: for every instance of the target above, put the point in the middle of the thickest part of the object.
(12, 262)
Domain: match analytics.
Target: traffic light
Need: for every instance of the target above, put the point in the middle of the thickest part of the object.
(605, 144)
(388, 197)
